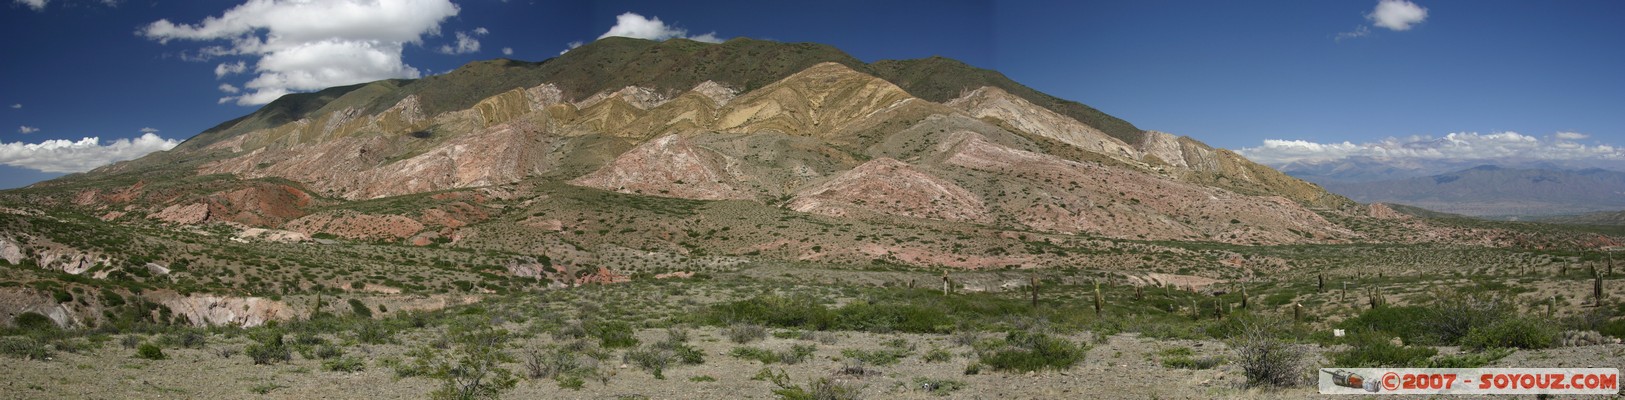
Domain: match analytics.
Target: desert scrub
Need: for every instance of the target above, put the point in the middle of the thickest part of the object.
(940, 387)
(611, 334)
(150, 351)
(476, 372)
(269, 349)
(1027, 351)
(24, 347)
(1374, 349)
(1517, 332)
(1265, 359)
(1469, 360)
(938, 354)
(795, 355)
(744, 333)
(344, 364)
(878, 357)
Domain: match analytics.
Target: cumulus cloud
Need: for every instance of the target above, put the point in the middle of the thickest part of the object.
(17, 106)
(1398, 15)
(633, 25)
(228, 89)
(60, 156)
(466, 43)
(149, 130)
(37, 5)
(220, 71)
(25, 129)
(309, 45)
(1469, 147)
(507, 51)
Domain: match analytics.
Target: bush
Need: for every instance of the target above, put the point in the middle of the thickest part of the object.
(360, 309)
(938, 355)
(1265, 359)
(33, 321)
(1027, 351)
(1517, 332)
(477, 372)
(374, 332)
(1189, 362)
(24, 347)
(344, 364)
(269, 350)
(744, 333)
(150, 351)
(612, 334)
(795, 355)
(1373, 349)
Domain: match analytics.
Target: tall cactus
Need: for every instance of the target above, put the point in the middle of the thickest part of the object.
(1100, 301)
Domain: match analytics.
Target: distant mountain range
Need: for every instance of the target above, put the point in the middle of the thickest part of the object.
(1483, 191)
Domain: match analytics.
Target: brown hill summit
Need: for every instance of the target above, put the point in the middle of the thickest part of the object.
(799, 126)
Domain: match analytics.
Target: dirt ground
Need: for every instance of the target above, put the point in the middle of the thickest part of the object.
(1124, 367)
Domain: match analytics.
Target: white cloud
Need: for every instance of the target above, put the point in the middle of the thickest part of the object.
(83, 155)
(1398, 15)
(481, 31)
(220, 71)
(37, 5)
(307, 45)
(1358, 32)
(228, 89)
(507, 51)
(466, 43)
(1571, 135)
(149, 130)
(17, 106)
(633, 25)
(25, 129)
(1494, 148)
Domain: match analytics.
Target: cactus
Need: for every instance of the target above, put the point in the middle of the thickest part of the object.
(1320, 284)
(1035, 290)
(1100, 301)
(1297, 312)
(1596, 288)
(1243, 297)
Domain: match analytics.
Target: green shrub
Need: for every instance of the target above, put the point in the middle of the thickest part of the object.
(360, 309)
(1517, 332)
(150, 351)
(938, 354)
(344, 364)
(270, 349)
(795, 355)
(1189, 362)
(374, 332)
(612, 334)
(702, 378)
(1374, 349)
(24, 347)
(33, 321)
(1027, 351)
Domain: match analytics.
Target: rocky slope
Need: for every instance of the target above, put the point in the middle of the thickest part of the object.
(800, 126)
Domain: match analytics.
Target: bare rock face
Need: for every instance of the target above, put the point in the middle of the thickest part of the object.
(1069, 196)
(719, 94)
(891, 187)
(357, 226)
(1383, 211)
(18, 300)
(991, 102)
(10, 251)
(188, 214)
(206, 310)
(670, 166)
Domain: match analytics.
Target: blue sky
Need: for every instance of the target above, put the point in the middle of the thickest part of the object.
(1282, 80)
